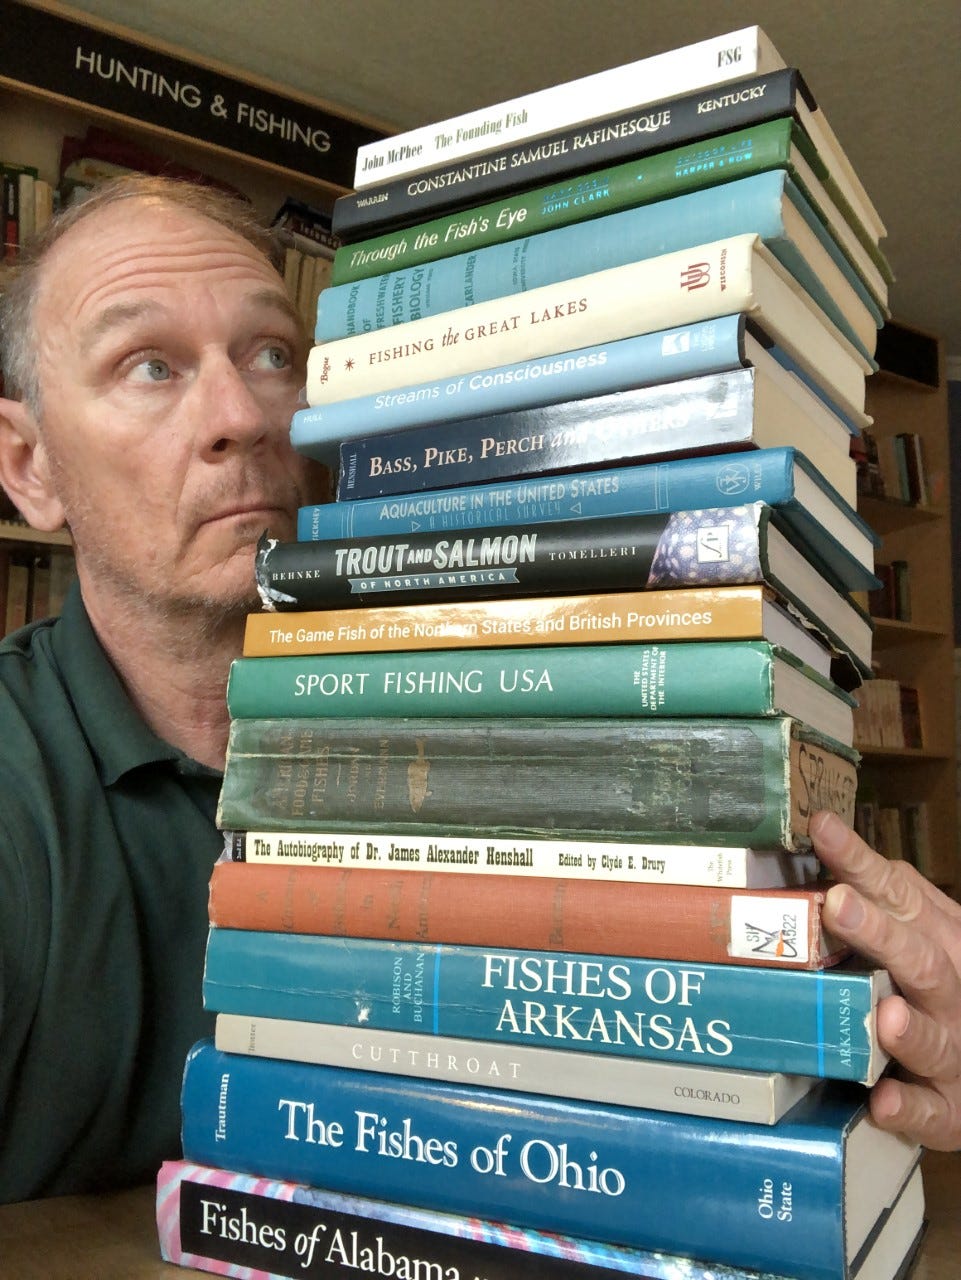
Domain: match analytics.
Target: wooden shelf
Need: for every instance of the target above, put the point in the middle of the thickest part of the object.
(891, 631)
(10, 531)
(907, 755)
(886, 515)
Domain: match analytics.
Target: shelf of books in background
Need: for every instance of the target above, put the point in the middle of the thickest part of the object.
(35, 569)
(515, 946)
(907, 730)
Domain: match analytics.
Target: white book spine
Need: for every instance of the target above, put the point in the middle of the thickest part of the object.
(663, 75)
(558, 859)
(757, 1097)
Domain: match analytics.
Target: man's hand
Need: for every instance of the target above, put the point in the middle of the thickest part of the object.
(891, 914)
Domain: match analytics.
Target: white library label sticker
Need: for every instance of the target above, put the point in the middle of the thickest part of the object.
(773, 929)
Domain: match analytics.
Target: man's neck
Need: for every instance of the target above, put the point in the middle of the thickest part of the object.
(175, 670)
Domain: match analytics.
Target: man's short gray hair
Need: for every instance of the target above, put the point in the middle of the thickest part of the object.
(20, 284)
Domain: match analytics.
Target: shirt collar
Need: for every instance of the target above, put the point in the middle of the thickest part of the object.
(119, 738)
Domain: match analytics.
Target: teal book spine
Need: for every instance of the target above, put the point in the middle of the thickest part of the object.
(668, 355)
(810, 1022)
(621, 1174)
(752, 204)
(721, 677)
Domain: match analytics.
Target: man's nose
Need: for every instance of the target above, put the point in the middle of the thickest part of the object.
(231, 414)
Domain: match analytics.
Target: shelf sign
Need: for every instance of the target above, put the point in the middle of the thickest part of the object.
(43, 50)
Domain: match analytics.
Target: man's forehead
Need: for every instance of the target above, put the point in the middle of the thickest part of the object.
(136, 244)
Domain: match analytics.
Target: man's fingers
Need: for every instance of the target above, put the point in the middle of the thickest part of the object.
(922, 1114)
(894, 886)
(922, 1045)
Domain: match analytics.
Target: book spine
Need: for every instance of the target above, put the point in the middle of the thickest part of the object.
(502, 270)
(560, 859)
(716, 545)
(755, 1097)
(10, 213)
(658, 293)
(687, 923)
(708, 62)
(655, 1009)
(404, 201)
(721, 613)
(667, 355)
(307, 1233)
(545, 1163)
(714, 677)
(748, 782)
(637, 182)
(716, 411)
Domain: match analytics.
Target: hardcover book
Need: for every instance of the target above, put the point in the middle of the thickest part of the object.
(758, 407)
(700, 283)
(716, 546)
(736, 678)
(692, 924)
(822, 1177)
(202, 1213)
(807, 1022)
(757, 1097)
(768, 204)
(545, 858)
(841, 542)
(696, 613)
(749, 782)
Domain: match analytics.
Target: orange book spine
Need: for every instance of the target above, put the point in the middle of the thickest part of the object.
(704, 924)
(696, 613)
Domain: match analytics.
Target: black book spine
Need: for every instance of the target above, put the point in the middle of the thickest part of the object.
(616, 553)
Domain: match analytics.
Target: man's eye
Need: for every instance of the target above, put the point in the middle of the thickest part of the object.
(272, 357)
(152, 370)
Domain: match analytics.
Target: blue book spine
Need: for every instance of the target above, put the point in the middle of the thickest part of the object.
(799, 1021)
(680, 484)
(611, 1173)
(752, 204)
(666, 356)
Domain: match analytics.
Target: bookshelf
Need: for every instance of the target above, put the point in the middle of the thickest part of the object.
(909, 395)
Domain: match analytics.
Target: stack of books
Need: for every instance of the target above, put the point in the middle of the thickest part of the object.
(516, 948)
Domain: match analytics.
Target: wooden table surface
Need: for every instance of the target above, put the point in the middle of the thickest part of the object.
(113, 1237)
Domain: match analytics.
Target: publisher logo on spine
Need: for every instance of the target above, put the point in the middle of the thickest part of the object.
(696, 275)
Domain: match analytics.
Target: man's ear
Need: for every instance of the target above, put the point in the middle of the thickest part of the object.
(24, 468)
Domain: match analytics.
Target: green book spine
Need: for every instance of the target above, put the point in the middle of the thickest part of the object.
(751, 782)
(576, 199)
(715, 677)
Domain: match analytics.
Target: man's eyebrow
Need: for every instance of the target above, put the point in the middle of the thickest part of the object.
(279, 301)
(121, 313)
(112, 317)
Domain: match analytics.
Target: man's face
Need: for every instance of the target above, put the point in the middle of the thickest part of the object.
(170, 360)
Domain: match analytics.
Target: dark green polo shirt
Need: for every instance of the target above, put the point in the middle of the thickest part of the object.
(107, 841)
